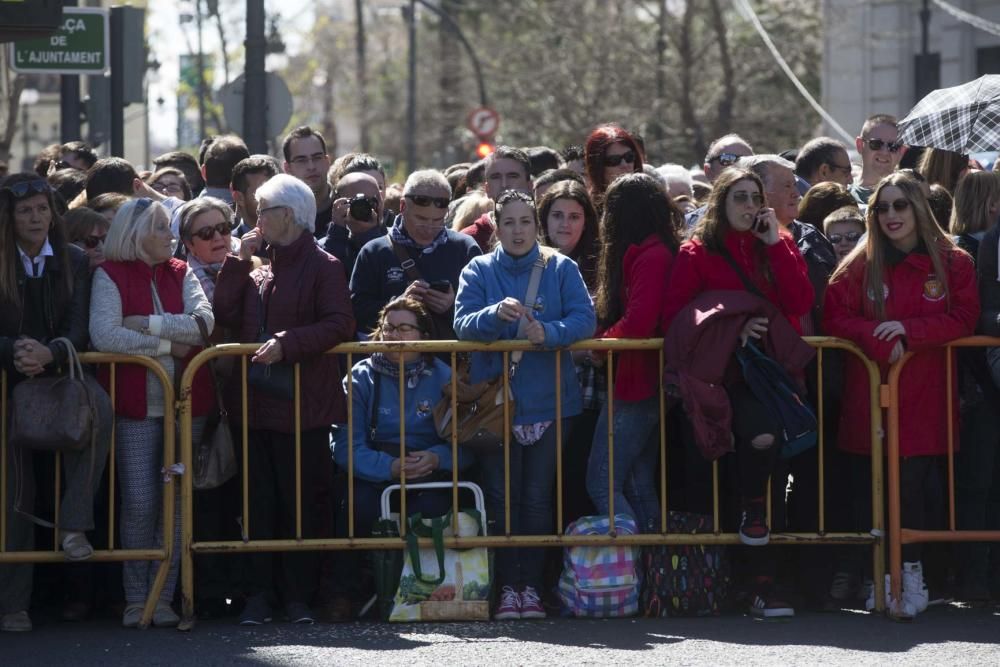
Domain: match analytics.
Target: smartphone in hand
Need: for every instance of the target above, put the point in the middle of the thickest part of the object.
(441, 286)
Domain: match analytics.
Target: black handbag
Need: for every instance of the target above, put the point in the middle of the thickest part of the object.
(275, 380)
(214, 455)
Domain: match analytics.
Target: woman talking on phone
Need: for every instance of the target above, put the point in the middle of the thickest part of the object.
(739, 243)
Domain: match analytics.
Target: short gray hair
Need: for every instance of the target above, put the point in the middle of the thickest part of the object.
(426, 179)
(192, 209)
(675, 173)
(133, 221)
(761, 165)
(285, 190)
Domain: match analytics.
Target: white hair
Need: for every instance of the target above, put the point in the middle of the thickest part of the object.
(426, 179)
(285, 190)
(133, 221)
(761, 165)
(676, 174)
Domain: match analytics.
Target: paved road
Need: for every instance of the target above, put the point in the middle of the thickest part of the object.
(947, 636)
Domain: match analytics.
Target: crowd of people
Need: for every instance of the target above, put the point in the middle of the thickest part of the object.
(301, 254)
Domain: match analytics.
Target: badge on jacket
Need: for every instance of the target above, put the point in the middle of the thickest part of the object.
(423, 408)
(933, 288)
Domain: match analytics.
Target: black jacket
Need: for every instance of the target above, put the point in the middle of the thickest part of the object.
(64, 315)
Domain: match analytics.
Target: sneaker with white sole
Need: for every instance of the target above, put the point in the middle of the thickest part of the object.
(16, 621)
(256, 612)
(768, 605)
(510, 605)
(531, 604)
(903, 610)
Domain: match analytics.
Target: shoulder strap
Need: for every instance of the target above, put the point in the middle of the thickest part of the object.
(262, 305)
(529, 298)
(405, 261)
(375, 399)
(753, 289)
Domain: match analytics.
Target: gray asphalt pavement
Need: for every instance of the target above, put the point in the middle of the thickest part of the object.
(943, 636)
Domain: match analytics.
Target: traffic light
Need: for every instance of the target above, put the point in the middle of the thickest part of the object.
(485, 148)
(27, 19)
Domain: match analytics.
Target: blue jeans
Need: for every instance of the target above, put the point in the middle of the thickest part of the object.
(637, 444)
(532, 472)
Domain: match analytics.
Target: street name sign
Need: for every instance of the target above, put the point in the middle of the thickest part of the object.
(80, 46)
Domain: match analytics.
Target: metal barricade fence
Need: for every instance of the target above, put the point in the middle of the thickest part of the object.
(190, 547)
(111, 553)
(898, 536)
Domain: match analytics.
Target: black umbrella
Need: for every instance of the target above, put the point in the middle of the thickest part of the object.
(964, 119)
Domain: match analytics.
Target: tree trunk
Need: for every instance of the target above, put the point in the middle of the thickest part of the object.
(724, 110)
(686, 51)
(450, 98)
(12, 85)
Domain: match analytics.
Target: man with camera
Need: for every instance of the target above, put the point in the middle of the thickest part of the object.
(418, 257)
(357, 215)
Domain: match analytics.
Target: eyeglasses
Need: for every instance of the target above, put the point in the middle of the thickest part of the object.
(743, 197)
(168, 187)
(403, 328)
(833, 165)
(262, 211)
(851, 237)
(628, 157)
(898, 206)
(878, 144)
(208, 233)
(424, 200)
(20, 189)
(302, 160)
(92, 242)
(724, 159)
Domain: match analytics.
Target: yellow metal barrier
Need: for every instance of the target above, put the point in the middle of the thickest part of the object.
(898, 536)
(110, 553)
(190, 547)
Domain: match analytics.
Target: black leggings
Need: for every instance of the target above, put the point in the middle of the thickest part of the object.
(750, 420)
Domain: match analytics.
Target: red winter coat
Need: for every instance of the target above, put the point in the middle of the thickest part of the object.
(914, 298)
(645, 269)
(697, 269)
(308, 312)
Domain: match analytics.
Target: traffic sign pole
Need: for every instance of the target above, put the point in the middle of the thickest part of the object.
(117, 112)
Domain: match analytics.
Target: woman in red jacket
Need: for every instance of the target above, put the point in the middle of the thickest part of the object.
(639, 237)
(908, 287)
(739, 230)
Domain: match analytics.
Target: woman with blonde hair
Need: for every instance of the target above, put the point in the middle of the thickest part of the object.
(908, 287)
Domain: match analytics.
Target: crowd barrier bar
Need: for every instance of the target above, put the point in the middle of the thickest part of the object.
(110, 553)
(453, 348)
(898, 536)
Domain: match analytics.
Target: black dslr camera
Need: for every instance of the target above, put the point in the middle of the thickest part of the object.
(361, 207)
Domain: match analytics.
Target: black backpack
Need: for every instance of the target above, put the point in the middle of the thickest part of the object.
(772, 386)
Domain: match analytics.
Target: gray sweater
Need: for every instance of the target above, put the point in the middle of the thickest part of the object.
(108, 335)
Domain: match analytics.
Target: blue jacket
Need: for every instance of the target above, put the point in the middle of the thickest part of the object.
(371, 464)
(563, 306)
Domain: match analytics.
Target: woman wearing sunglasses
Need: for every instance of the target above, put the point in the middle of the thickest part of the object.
(205, 228)
(145, 302)
(739, 243)
(907, 288)
(87, 229)
(44, 294)
(608, 153)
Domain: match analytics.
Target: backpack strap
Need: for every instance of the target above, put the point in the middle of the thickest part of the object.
(753, 289)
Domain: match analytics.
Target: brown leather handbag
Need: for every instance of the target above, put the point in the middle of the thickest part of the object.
(54, 413)
(480, 410)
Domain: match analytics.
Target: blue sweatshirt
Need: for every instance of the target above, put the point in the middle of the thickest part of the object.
(371, 464)
(564, 308)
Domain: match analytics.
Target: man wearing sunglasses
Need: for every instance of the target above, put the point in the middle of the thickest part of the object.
(357, 201)
(418, 257)
(880, 151)
(723, 152)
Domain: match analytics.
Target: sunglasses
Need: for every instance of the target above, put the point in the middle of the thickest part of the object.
(38, 186)
(628, 157)
(743, 197)
(835, 166)
(898, 206)
(208, 233)
(878, 144)
(851, 237)
(92, 242)
(424, 200)
(725, 159)
(404, 328)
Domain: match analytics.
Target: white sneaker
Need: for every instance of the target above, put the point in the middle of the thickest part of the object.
(914, 589)
(904, 609)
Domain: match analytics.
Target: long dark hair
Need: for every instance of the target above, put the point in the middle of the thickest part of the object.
(9, 258)
(635, 207)
(585, 254)
(714, 225)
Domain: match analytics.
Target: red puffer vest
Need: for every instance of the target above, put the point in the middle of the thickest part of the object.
(133, 280)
